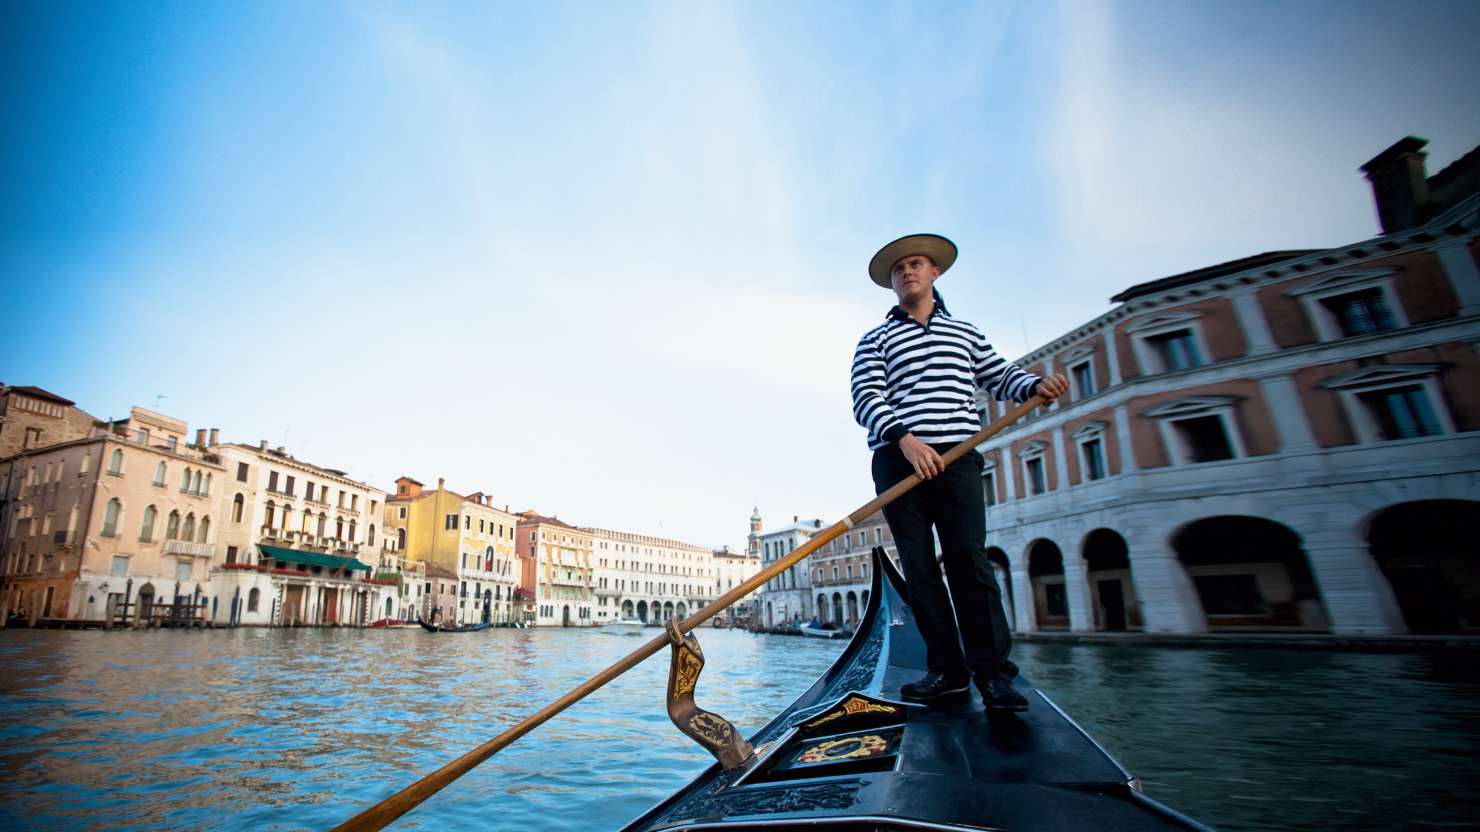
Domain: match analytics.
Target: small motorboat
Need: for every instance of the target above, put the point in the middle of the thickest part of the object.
(851, 755)
(385, 623)
(623, 627)
(443, 628)
(823, 631)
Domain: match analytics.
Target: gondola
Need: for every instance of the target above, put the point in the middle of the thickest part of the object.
(850, 754)
(443, 628)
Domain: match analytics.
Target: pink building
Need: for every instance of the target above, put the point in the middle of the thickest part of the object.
(1286, 441)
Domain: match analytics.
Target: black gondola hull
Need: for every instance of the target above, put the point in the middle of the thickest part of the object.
(850, 754)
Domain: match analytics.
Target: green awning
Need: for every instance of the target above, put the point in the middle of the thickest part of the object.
(282, 555)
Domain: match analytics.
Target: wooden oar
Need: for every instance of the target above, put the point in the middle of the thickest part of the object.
(382, 813)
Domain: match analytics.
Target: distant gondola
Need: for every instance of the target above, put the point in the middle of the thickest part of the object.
(443, 628)
(849, 754)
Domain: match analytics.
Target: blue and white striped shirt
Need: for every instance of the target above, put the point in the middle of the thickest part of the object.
(921, 379)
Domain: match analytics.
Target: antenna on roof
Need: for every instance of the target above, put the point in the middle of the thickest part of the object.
(158, 397)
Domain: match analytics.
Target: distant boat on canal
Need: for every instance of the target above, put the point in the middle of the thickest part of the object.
(623, 627)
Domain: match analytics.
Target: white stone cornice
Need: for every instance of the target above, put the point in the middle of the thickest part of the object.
(1380, 374)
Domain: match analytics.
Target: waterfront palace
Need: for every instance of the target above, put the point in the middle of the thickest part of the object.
(128, 523)
(1282, 442)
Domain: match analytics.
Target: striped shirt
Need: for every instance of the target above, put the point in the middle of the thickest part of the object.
(921, 379)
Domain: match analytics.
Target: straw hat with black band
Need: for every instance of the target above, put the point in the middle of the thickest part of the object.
(940, 250)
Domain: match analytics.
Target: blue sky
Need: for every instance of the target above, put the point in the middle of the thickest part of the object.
(607, 260)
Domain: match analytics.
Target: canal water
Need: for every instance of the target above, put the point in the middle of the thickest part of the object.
(282, 729)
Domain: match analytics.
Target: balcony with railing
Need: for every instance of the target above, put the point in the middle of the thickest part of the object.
(188, 549)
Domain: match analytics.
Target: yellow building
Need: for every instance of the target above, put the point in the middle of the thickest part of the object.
(464, 535)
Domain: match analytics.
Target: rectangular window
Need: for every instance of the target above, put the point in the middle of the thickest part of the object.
(1401, 412)
(288, 487)
(1361, 313)
(403, 512)
(989, 485)
(182, 570)
(1177, 350)
(231, 554)
(120, 566)
(170, 443)
(1204, 439)
(467, 523)
(1084, 379)
(308, 490)
(241, 472)
(1094, 459)
(272, 478)
(354, 502)
(1036, 482)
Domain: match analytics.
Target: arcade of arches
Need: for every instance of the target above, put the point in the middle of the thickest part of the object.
(1244, 573)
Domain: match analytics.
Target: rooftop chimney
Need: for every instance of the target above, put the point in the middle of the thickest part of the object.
(796, 518)
(214, 432)
(440, 481)
(1400, 185)
(200, 437)
(261, 444)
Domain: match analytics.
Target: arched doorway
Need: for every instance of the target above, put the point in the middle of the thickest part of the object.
(837, 609)
(1250, 574)
(681, 611)
(565, 616)
(770, 616)
(1108, 569)
(1431, 557)
(668, 611)
(388, 607)
(822, 608)
(146, 603)
(1046, 576)
(642, 611)
(487, 605)
(627, 609)
(852, 619)
(1003, 571)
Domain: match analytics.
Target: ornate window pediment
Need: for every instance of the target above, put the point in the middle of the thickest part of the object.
(1034, 448)
(1074, 355)
(1342, 281)
(1192, 406)
(1377, 375)
(1089, 429)
(1170, 319)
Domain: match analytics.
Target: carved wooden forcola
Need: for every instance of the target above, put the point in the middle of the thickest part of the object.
(710, 730)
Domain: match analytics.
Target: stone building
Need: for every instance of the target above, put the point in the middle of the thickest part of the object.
(465, 535)
(125, 518)
(32, 418)
(1282, 442)
(733, 569)
(555, 571)
(298, 541)
(652, 579)
(840, 571)
(787, 598)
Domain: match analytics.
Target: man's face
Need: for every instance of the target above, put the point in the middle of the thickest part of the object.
(912, 277)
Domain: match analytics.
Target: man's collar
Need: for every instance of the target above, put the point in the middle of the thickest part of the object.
(898, 313)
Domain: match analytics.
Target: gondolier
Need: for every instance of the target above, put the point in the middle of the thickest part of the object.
(914, 379)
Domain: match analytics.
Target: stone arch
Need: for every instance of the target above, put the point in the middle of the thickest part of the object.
(668, 611)
(770, 615)
(627, 609)
(642, 611)
(565, 615)
(837, 609)
(1429, 554)
(822, 608)
(681, 611)
(1112, 592)
(1003, 571)
(1046, 577)
(1250, 573)
(388, 608)
(146, 602)
(852, 601)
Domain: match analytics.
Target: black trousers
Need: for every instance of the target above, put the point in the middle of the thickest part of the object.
(953, 503)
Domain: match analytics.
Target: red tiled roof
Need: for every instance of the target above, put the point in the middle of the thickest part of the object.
(38, 393)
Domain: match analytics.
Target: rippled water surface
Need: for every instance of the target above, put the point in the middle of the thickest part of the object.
(282, 729)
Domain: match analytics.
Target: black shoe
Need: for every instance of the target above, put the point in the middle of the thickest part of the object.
(1008, 669)
(934, 686)
(999, 697)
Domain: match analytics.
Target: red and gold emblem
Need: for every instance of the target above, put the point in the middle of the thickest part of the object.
(845, 748)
